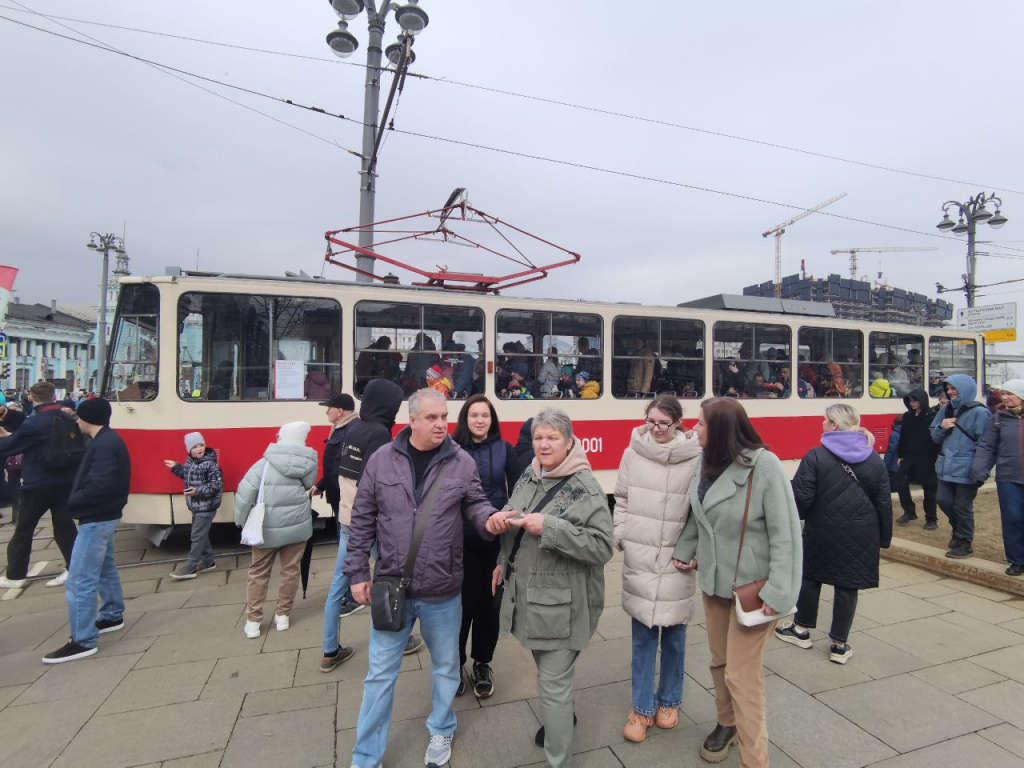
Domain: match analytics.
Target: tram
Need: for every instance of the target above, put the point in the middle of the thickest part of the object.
(236, 356)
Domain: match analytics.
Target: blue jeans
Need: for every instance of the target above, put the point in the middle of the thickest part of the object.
(340, 590)
(956, 500)
(673, 660)
(1011, 510)
(439, 625)
(93, 570)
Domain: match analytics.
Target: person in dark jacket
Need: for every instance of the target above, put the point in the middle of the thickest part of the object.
(1002, 446)
(204, 489)
(360, 438)
(44, 488)
(396, 480)
(524, 448)
(892, 449)
(916, 458)
(479, 434)
(10, 482)
(957, 428)
(97, 499)
(842, 494)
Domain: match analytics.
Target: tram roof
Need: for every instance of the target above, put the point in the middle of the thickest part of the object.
(722, 302)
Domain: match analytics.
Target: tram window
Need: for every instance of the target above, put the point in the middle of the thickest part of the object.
(895, 364)
(830, 363)
(243, 347)
(132, 366)
(752, 360)
(652, 355)
(541, 354)
(420, 345)
(948, 356)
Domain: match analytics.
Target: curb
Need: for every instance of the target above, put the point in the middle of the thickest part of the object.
(970, 569)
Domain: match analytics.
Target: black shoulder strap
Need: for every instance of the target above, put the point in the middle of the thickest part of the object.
(421, 524)
(519, 536)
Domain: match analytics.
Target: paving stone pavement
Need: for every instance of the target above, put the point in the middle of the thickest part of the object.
(936, 680)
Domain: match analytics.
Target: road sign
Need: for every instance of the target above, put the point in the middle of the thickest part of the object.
(1006, 334)
(995, 317)
(3, 346)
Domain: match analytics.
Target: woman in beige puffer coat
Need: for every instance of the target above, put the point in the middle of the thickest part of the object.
(651, 506)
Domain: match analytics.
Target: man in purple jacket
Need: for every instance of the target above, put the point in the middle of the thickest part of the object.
(394, 483)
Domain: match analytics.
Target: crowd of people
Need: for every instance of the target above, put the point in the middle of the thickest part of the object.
(473, 538)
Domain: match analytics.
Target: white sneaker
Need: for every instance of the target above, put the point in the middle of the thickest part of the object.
(58, 581)
(439, 751)
(6, 583)
(252, 629)
(282, 623)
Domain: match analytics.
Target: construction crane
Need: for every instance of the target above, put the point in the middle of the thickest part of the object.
(779, 230)
(884, 249)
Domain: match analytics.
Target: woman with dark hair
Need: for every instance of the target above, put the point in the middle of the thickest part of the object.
(477, 432)
(740, 490)
(652, 503)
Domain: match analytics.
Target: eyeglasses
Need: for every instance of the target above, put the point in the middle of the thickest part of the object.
(661, 426)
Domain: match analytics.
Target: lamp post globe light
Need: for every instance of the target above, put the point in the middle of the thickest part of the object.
(972, 212)
(104, 244)
(412, 19)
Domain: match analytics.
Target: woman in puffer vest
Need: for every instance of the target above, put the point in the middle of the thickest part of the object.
(652, 504)
(291, 470)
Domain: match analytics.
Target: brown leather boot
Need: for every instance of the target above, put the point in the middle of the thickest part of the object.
(636, 726)
(667, 717)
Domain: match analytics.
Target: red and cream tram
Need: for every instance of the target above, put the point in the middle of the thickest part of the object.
(237, 356)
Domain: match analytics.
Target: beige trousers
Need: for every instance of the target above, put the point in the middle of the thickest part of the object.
(259, 579)
(736, 668)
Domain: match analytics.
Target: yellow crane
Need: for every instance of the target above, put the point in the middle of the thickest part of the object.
(884, 249)
(780, 229)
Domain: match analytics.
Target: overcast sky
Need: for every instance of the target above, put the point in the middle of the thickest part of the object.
(90, 140)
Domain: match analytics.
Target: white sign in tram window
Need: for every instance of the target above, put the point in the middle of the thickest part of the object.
(994, 317)
(288, 379)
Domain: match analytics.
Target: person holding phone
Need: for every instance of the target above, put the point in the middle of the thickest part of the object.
(204, 488)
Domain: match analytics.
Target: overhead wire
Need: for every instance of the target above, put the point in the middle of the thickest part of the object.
(561, 103)
(180, 74)
(177, 75)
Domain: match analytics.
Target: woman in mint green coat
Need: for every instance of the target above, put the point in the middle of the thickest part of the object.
(734, 455)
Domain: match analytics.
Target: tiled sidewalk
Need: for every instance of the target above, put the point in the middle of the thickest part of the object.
(937, 679)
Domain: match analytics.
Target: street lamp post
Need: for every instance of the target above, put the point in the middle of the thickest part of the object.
(343, 44)
(106, 244)
(971, 212)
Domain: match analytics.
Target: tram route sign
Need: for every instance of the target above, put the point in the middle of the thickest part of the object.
(998, 322)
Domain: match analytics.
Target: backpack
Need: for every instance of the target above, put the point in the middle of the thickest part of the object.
(65, 445)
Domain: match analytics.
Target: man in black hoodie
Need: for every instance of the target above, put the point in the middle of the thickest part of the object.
(917, 453)
(97, 499)
(45, 486)
(363, 436)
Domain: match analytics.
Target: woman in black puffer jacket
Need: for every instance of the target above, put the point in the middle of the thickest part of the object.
(842, 493)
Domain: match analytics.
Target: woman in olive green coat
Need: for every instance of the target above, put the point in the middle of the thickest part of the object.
(554, 591)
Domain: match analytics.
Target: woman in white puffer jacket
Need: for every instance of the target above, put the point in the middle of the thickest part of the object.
(652, 504)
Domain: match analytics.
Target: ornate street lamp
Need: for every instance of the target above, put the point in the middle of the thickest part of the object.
(970, 214)
(413, 20)
(106, 244)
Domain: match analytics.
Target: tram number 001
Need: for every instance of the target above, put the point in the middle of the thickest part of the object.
(592, 444)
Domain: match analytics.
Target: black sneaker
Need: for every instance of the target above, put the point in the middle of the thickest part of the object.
(961, 550)
(905, 518)
(790, 634)
(539, 738)
(69, 652)
(109, 625)
(185, 572)
(462, 683)
(839, 653)
(350, 607)
(931, 525)
(1015, 570)
(715, 748)
(210, 566)
(483, 681)
(413, 644)
(953, 543)
(340, 656)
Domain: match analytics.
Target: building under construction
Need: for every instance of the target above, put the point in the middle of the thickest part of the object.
(860, 300)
